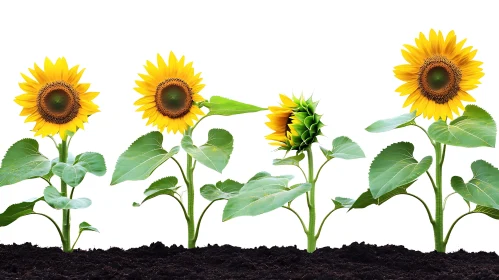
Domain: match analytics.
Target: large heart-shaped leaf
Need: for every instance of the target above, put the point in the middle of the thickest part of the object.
(491, 212)
(293, 160)
(23, 161)
(392, 123)
(475, 128)
(167, 186)
(395, 166)
(483, 188)
(18, 210)
(84, 226)
(262, 195)
(215, 154)
(345, 148)
(73, 174)
(142, 158)
(222, 190)
(226, 107)
(366, 198)
(54, 198)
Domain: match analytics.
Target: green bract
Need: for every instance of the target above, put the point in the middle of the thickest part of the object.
(306, 124)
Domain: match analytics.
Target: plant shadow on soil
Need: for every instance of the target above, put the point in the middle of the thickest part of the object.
(356, 261)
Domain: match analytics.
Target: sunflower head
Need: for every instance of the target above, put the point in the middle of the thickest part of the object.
(170, 93)
(55, 100)
(438, 76)
(295, 123)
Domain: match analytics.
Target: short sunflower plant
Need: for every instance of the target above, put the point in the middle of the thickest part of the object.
(59, 105)
(296, 126)
(170, 99)
(437, 78)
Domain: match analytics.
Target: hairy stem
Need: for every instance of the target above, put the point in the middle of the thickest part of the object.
(191, 242)
(438, 228)
(311, 245)
(66, 218)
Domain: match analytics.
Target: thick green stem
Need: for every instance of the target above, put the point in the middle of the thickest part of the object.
(311, 221)
(438, 227)
(66, 218)
(191, 241)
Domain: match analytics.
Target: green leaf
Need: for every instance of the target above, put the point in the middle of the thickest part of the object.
(294, 160)
(393, 123)
(483, 188)
(342, 202)
(345, 148)
(18, 210)
(222, 190)
(84, 226)
(395, 166)
(215, 153)
(264, 174)
(226, 107)
(73, 174)
(54, 198)
(491, 212)
(262, 195)
(166, 186)
(366, 198)
(142, 158)
(23, 161)
(475, 128)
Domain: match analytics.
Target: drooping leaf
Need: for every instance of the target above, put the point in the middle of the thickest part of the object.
(395, 166)
(23, 161)
(166, 186)
(293, 160)
(54, 198)
(483, 188)
(142, 158)
(215, 154)
(18, 210)
(392, 123)
(345, 148)
(226, 107)
(342, 202)
(73, 174)
(475, 128)
(84, 226)
(491, 212)
(265, 174)
(366, 198)
(222, 190)
(261, 196)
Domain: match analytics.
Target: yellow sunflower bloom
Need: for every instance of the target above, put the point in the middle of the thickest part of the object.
(55, 99)
(439, 75)
(170, 92)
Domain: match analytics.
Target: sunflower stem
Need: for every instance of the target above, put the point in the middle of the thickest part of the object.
(438, 227)
(66, 218)
(311, 221)
(191, 241)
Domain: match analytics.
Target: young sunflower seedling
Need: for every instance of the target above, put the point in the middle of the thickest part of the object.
(59, 105)
(170, 99)
(437, 78)
(296, 126)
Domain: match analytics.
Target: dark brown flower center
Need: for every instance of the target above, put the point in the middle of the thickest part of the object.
(58, 102)
(173, 98)
(439, 79)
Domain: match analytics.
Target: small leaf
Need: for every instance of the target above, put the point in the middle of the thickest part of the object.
(142, 158)
(23, 161)
(366, 198)
(261, 196)
(483, 188)
(18, 210)
(345, 148)
(294, 160)
(491, 212)
(54, 198)
(226, 107)
(341, 202)
(264, 174)
(395, 166)
(84, 226)
(74, 173)
(222, 190)
(393, 123)
(167, 186)
(215, 154)
(475, 128)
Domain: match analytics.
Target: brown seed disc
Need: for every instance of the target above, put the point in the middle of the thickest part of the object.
(173, 98)
(439, 79)
(58, 102)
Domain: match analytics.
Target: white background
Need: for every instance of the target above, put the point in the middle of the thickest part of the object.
(342, 52)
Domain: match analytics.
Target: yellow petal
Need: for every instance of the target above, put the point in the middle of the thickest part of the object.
(463, 95)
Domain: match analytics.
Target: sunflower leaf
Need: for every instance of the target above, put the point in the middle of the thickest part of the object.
(491, 212)
(18, 210)
(475, 128)
(226, 107)
(57, 201)
(222, 190)
(166, 186)
(140, 160)
(73, 174)
(395, 166)
(483, 188)
(342, 202)
(23, 161)
(215, 154)
(366, 198)
(345, 148)
(294, 160)
(392, 123)
(84, 226)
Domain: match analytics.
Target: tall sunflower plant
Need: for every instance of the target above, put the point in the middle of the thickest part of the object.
(296, 126)
(59, 105)
(437, 77)
(170, 99)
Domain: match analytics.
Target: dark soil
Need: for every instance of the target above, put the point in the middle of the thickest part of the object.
(356, 261)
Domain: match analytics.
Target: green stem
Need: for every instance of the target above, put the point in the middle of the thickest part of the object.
(425, 206)
(432, 181)
(66, 218)
(438, 228)
(445, 200)
(318, 172)
(191, 230)
(452, 227)
(53, 222)
(201, 218)
(50, 184)
(311, 245)
(299, 218)
(181, 170)
(77, 238)
(424, 130)
(303, 172)
(322, 224)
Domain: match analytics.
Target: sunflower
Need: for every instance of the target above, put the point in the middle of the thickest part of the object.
(438, 76)
(55, 99)
(295, 123)
(170, 93)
